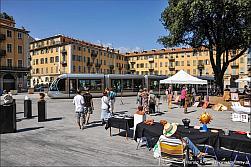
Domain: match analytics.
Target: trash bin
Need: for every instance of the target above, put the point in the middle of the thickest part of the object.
(8, 118)
(41, 105)
(27, 109)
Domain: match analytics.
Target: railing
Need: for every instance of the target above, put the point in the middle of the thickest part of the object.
(7, 68)
(64, 63)
(111, 66)
(171, 58)
(150, 59)
(64, 51)
(171, 68)
(132, 69)
(151, 68)
(200, 66)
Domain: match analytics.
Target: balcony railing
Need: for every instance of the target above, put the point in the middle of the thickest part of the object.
(171, 58)
(94, 54)
(200, 66)
(89, 63)
(132, 69)
(2, 53)
(150, 59)
(64, 51)
(98, 65)
(64, 63)
(151, 68)
(132, 62)
(234, 65)
(8, 68)
(171, 68)
(111, 66)
(2, 37)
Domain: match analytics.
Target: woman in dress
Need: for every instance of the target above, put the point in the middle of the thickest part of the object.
(105, 108)
(145, 104)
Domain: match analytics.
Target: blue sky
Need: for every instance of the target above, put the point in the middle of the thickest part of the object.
(125, 24)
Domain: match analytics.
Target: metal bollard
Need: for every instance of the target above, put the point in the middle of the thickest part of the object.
(41, 105)
(8, 118)
(27, 109)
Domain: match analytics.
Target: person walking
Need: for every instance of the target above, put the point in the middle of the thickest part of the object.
(88, 105)
(194, 94)
(78, 101)
(145, 100)
(105, 108)
(111, 96)
(183, 98)
(139, 98)
(152, 102)
(170, 96)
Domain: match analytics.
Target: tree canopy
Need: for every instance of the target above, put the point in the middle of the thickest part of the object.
(219, 25)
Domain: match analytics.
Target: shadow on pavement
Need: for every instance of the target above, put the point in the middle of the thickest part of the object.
(19, 112)
(54, 119)
(28, 129)
(20, 119)
(191, 111)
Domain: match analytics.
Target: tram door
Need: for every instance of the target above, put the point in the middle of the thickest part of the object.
(72, 87)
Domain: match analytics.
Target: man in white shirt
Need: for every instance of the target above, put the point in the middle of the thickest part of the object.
(78, 101)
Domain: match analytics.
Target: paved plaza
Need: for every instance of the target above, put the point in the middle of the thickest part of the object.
(59, 141)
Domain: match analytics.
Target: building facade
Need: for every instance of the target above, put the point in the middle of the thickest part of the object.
(56, 55)
(14, 55)
(194, 62)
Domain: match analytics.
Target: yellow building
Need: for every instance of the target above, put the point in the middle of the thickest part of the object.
(59, 54)
(194, 62)
(14, 55)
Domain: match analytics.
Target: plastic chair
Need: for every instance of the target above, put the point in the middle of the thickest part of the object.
(207, 149)
(172, 151)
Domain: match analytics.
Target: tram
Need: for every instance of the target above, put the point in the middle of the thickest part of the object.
(66, 85)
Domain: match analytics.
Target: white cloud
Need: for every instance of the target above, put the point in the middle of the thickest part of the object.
(37, 39)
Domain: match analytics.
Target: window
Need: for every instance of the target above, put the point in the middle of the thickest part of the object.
(19, 35)
(9, 33)
(79, 58)
(46, 60)
(188, 71)
(141, 65)
(42, 61)
(74, 47)
(9, 48)
(51, 50)
(194, 62)
(37, 71)
(56, 69)
(20, 49)
(79, 68)
(36, 61)
(166, 64)
(182, 63)
(51, 69)
(42, 70)
(194, 71)
(57, 59)
(156, 65)
(51, 59)
(73, 57)
(92, 84)
(177, 63)
(241, 60)
(160, 64)
(79, 48)
(9, 62)
(188, 63)
(74, 68)
(56, 49)
(46, 70)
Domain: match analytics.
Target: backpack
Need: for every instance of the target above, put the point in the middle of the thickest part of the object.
(112, 95)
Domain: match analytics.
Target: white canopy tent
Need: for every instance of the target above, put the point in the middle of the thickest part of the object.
(182, 77)
(247, 79)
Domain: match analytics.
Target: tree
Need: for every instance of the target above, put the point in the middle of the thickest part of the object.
(221, 26)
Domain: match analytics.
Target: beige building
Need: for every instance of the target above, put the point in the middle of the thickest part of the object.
(14, 55)
(59, 54)
(194, 62)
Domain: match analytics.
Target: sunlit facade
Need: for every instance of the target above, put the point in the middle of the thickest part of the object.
(59, 54)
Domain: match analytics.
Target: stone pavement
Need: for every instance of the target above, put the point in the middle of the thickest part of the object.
(59, 142)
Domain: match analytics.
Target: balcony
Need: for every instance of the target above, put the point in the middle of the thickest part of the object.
(2, 53)
(151, 68)
(89, 64)
(151, 60)
(111, 67)
(64, 52)
(17, 69)
(94, 54)
(200, 66)
(132, 69)
(98, 65)
(234, 65)
(2, 37)
(132, 62)
(171, 68)
(64, 63)
(171, 58)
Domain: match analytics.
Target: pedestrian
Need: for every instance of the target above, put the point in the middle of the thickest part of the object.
(78, 101)
(88, 105)
(170, 96)
(183, 98)
(145, 100)
(105, 108)
(193, 94)
(111, 96)
(152, 102)
(7, 97)
(139, 98)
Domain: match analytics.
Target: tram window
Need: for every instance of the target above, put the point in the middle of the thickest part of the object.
(137, 85)
(127, 84)
(61, 85)
(154, 85)
(73, 86)
(93, 85)
(116, 84)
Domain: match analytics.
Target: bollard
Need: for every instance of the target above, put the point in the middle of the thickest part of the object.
(41, 105)
(7, 118)
(27, 109)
